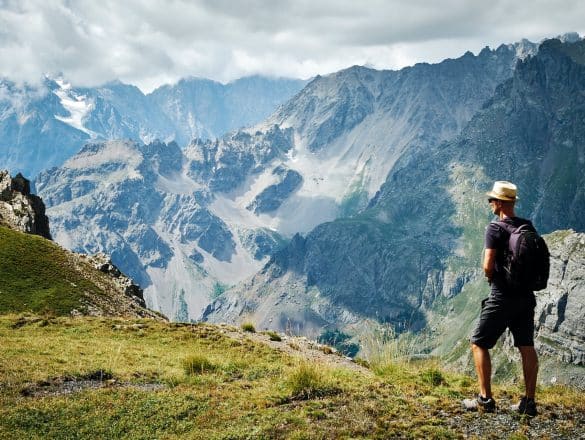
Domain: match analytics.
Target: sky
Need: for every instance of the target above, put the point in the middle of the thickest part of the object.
(153, 42)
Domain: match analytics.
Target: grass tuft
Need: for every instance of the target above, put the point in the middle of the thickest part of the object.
(273, 336)
(433, 377)
(197, 364)
(307, 382)
(248, 327)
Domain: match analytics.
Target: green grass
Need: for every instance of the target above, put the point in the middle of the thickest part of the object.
(37, 276)
(240, 388)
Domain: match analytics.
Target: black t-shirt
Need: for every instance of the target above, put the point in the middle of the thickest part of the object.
(497, 237)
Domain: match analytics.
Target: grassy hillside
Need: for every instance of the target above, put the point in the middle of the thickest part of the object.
(73, 378)
(36, 275)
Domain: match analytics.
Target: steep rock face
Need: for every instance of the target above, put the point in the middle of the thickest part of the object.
(19, 209)
(530, 133)
(361, 121)
(561, 307)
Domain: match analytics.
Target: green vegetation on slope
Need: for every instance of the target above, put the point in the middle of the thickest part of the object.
(37, 275)
(133, 379)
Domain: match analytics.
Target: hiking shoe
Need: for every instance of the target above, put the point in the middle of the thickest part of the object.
(484, 404)
(526, 406)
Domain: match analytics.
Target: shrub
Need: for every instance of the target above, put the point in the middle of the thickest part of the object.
(197, 364)
(248, 327)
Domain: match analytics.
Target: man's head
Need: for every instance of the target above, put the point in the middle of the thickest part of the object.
(502, 197)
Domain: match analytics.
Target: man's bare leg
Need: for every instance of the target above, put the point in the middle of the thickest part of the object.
(530, 369)
(483, 367)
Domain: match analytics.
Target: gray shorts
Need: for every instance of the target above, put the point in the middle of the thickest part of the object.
(499, 313)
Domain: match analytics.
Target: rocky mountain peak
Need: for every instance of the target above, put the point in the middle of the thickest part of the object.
(19, 209)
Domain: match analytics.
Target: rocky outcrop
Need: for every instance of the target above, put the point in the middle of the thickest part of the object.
(261, 243)
(224, 164)
(126, 285)
(561, 306)
(19, 209)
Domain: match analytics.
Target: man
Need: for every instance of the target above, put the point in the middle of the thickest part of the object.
(506, 307)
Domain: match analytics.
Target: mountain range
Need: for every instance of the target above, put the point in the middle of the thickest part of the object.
(189, 223)
(42, 126)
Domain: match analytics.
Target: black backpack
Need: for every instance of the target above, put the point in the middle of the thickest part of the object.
(527, 260)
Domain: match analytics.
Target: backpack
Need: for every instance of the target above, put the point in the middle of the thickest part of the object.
(527, 260)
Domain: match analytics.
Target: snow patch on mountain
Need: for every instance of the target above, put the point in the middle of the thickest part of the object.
(78, 106)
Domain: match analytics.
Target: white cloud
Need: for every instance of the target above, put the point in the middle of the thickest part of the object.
(149, 42)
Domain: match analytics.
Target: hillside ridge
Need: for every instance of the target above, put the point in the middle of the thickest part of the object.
(40, 276)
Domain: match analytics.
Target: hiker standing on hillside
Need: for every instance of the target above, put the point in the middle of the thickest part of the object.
(506, 307)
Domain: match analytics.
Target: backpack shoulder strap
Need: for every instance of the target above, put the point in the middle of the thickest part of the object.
(505, 226)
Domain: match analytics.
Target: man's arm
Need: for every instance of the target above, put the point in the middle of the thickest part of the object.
(489, 260)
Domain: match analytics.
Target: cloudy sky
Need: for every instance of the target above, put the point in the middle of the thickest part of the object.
(151, 42)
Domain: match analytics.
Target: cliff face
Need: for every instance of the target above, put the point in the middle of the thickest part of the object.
(561, 307)
(559, 331)
(19, 209)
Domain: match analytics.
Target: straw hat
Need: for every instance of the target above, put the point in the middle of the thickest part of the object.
(503, 190)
